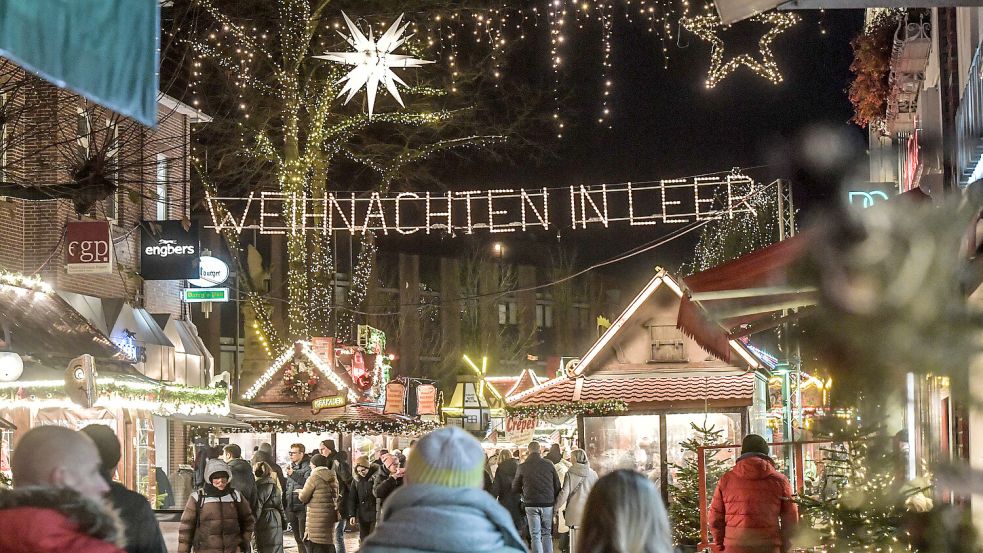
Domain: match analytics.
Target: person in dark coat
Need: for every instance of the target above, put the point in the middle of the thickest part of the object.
(539, 484)
(338, 461)
(380, 466)
(268, 510)
(502, 487)
(362, 499)
(241, 476)
(298, 471)
(142, 530)
(217, 518)
(384, 486)
(753, 510)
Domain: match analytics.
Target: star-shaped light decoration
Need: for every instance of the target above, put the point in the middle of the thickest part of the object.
(373, 61)
(706, 27)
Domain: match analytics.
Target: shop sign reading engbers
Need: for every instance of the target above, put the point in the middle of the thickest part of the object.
(168, 251)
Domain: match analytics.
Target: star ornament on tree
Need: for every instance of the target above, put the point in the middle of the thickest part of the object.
(707, 27)
(373, 61)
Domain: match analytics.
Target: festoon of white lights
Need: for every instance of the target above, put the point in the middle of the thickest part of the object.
(505, 210)
(301, 349)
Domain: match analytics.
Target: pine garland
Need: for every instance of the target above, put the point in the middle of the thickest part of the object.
(393, 428)
(568, 409)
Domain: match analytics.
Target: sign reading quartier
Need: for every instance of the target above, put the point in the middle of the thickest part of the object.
(664, 202)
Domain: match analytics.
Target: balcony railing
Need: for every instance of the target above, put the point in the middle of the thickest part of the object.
(909, 58)
(969, 124)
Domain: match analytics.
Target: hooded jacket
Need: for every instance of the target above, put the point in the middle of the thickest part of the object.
(269, 516)
(223, 523)
(323, 501)
(55, 520)
(752, 508)
(363, 502)
(573, 495)
(425, 518)
(538, 482)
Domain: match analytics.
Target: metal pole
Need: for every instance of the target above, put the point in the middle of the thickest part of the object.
(235, 355)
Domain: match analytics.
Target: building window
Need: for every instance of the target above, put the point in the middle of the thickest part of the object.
(508, 313)
(162, 179)
(115, 200)
(83, 133)
(544, 316)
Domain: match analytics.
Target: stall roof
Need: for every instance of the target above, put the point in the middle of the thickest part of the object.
(44, 325)
(6, 425)
(210, 420)
(667, 390)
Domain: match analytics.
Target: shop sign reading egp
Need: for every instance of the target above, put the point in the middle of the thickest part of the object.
(168, 251)
(520, 431)
(89, 248)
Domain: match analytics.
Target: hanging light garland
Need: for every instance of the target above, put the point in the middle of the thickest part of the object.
(707, 27)
(568, 409)
(157, 397)
(394, 427)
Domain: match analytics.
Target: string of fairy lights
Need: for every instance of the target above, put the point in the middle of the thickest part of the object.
(239, 49)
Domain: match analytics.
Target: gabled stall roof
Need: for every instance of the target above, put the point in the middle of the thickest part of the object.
(653, 391)
(654, 388)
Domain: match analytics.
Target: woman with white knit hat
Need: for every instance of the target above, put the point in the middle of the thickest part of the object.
(441, 507)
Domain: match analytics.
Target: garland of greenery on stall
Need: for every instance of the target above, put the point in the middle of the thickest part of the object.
(568, 409)
(160, 397)
(393, 427)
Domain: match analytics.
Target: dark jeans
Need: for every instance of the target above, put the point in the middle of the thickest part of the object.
(364, 529)
(298, 520)
(320, 547)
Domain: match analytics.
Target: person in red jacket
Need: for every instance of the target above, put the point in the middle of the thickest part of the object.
(752, 509)
(56, 504)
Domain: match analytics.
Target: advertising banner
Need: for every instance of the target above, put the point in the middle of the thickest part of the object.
(520, 431)
(88, 248)
(395, 399)
(168, 251)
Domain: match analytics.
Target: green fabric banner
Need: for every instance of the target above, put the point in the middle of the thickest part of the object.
(105, 50)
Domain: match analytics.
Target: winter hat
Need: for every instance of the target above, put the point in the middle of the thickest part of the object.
(319, 460)
(754, 443)
(215, 466)
(363, 461)
(390, 462)
(447, 457)
(107, 443)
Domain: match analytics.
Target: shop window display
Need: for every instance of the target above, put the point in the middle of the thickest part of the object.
(142, 455)
(628, 442)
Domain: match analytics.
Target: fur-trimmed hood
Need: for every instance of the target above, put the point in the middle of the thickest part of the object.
(90, 517)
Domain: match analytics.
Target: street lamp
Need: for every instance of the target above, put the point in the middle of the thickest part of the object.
(11, 366)
(498, 249)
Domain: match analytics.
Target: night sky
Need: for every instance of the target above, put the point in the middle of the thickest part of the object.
(665, 123)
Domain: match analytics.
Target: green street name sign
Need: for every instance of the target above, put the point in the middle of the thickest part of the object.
(200, 295)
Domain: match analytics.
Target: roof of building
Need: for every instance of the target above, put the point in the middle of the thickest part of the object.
(44, 325)
(508, 385)
(648, 390)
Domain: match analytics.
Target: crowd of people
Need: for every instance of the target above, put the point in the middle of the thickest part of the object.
(443, 495)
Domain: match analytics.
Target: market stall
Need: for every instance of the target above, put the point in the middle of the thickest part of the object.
(638, 390)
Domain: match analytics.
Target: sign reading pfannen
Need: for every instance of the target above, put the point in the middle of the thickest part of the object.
(328, 402)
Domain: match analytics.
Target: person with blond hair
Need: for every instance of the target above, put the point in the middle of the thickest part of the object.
(579, 481)
(268, 509)
(626, 516)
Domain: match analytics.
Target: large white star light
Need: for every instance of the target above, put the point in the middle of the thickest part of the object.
(373, 61)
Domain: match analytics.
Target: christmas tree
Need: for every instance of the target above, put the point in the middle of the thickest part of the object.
(861, 500)
(684, 504)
